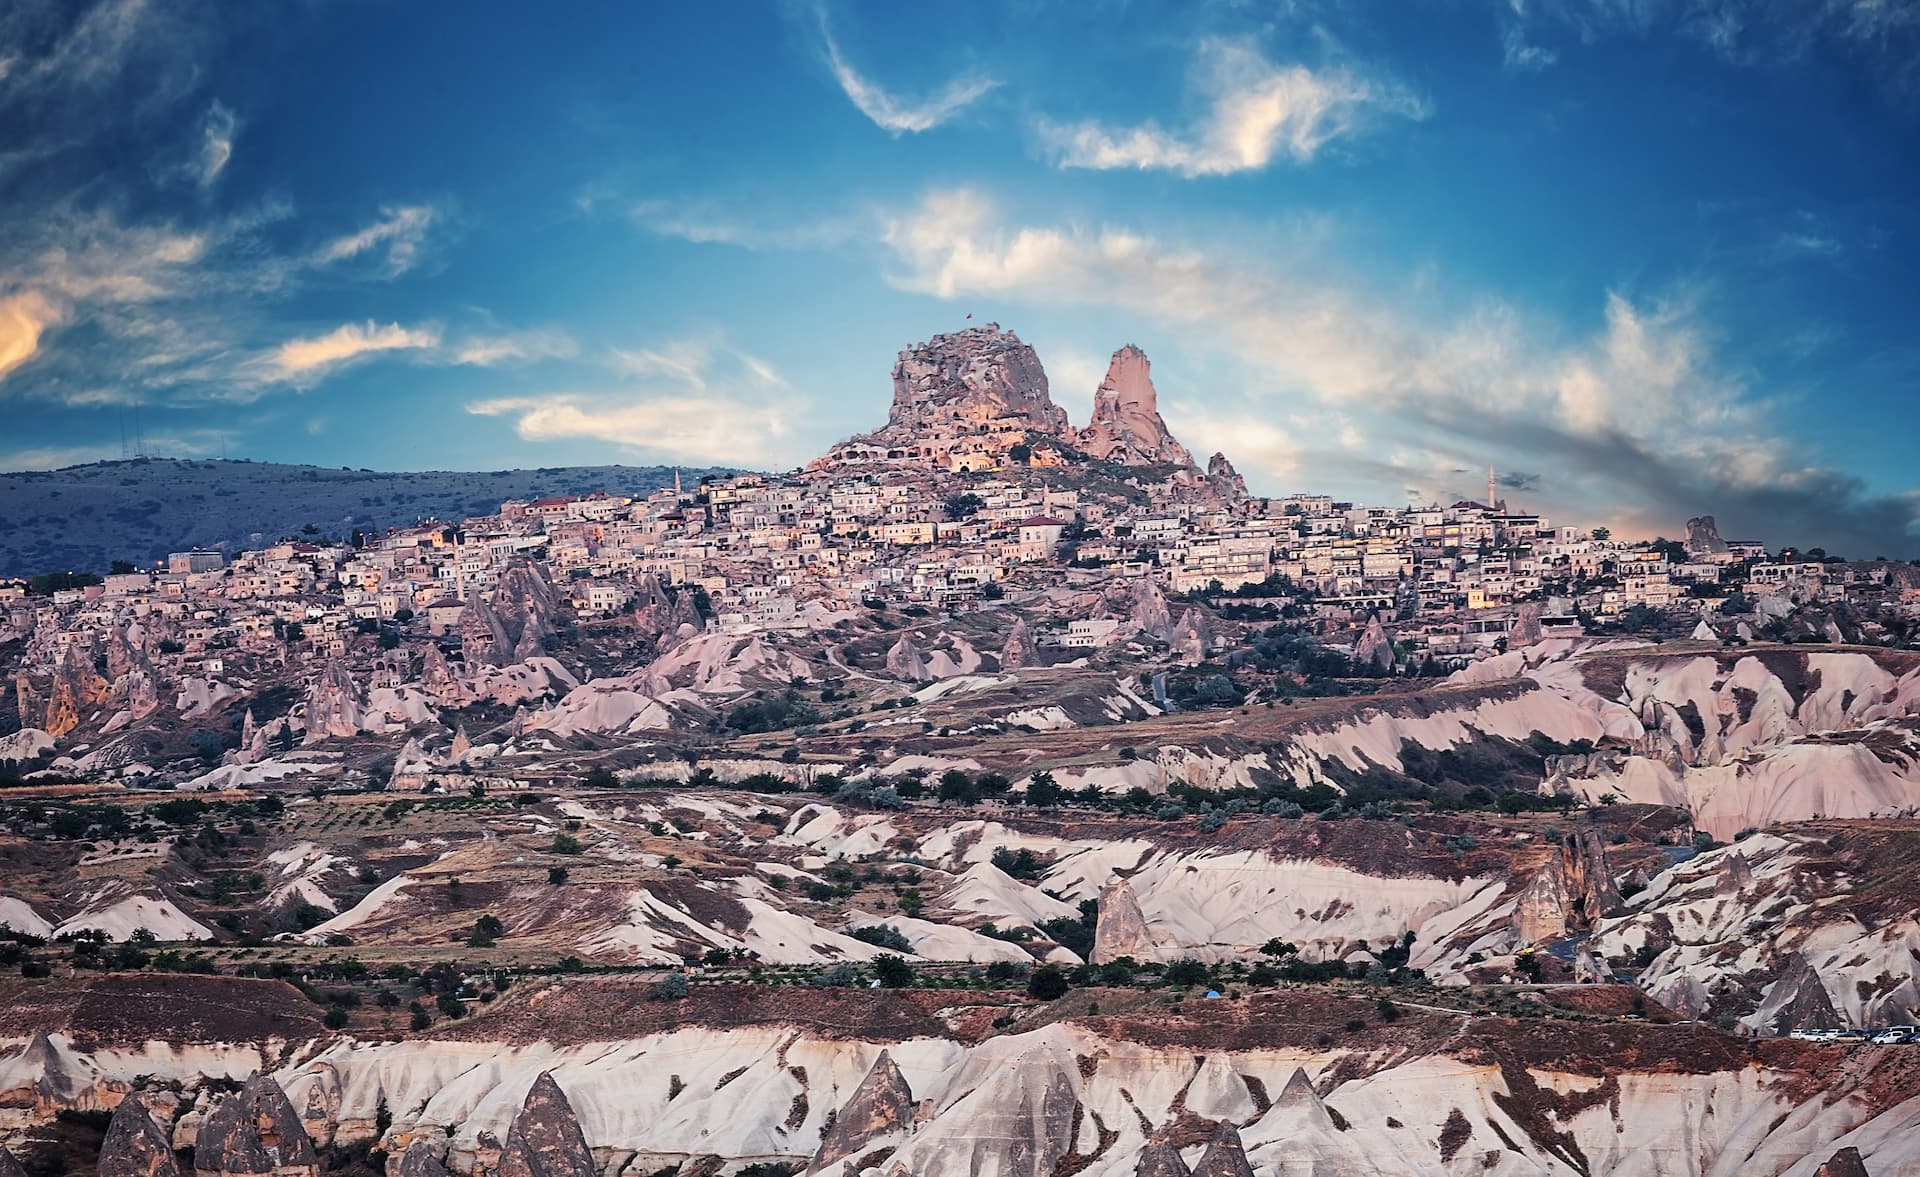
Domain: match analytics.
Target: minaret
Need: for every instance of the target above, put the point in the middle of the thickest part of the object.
(1490, 502)
(676, 484)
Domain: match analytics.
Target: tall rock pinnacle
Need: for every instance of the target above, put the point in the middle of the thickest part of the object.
(135, 1146)
(1126, 425)
(544, 1139)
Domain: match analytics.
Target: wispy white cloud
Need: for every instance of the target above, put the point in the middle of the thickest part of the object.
(704, 224)
(217, 131)
(697, 398)
(1255, 111)
(492, 349)
(892, 113)
(1884, 35)
(302, 361)
(698, 428)
(400, 232)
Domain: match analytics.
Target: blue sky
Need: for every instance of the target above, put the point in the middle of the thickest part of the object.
(1650, 258)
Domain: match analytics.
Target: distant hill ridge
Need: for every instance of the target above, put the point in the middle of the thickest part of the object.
(82, 518)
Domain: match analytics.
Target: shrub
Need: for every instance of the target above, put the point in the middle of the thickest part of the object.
(883, 936)
(1047, 983)
(671, 987)
(566, 844)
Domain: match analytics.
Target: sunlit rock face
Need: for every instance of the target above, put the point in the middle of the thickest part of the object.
(971, 378)
(1127, 427)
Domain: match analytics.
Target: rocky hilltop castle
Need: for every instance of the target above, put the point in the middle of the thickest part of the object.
(978, 399)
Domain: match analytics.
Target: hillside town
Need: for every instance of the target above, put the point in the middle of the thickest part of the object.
(975, 491)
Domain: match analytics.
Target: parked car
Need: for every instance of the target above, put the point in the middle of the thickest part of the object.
(1894, 1035)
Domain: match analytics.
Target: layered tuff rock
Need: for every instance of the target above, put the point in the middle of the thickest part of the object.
(881, 1107)
(1703, 537)
(1845, 1163)
(135, 1146)
(1160, 1159)
(333, 704)
(904, 660)
(1226, 481)
(1121, 927)
(544, 1139)
(255, 1132)
(1126, 426)
(1225, 1155)
(1019, 649)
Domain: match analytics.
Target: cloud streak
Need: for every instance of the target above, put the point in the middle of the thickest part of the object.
(1256, 112)
(892, 113)
(400, 232)
(303, 361)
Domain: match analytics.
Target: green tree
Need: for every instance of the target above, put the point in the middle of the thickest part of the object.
(892, 971)
(1043, 792)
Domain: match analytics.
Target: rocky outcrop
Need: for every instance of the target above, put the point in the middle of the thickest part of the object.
(1544, 906)
(1121, 927)
(1225, 1155)
(1526, 629)
(1192, 637)
(1374, 647)
(9, 1166)
(77, 689)
(417, 1161)
(881, 1106)
(437, 677)
(510, 624)
(1797, 1001)
(1019, 649)
(968, 379)
(1126, 425)
(904, 660)
(1149, 609)
(135, 1146)
(544, 1139)
(1226, 481)
(333, 704)
(255, 1131)
(1160, 1159)
(1703, 537)
(1845, 1163)
(666, 617)
(1300, 1102)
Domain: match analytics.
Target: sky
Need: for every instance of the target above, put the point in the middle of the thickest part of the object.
(1649, 259)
